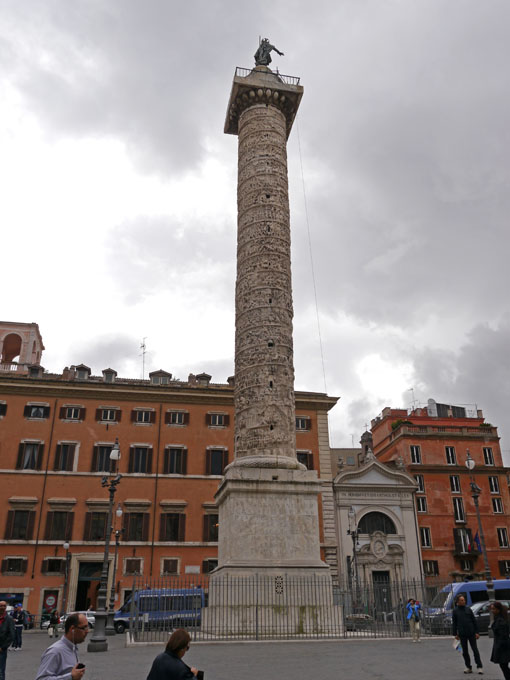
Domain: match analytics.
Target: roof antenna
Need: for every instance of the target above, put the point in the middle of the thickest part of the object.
(143, 347)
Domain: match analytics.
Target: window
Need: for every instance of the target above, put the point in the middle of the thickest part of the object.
(216, 460)
(210, 528)
(306, 458)
(20, 525)
(421, 483)
(36, 411)
(170, 567)
(101, 458)
(14, 565)
(466, 565)
(415, 454)
(455, 483)
(463, 541)
(451, 458)
(172, 526)
(140, 459)
(504, 568)
(430, 568)
(497, 505)
(95, 526)
(64, 457)
(3, 408)
(502, 537)
(376, 521)
(494, 484)
(143, 416)
(136, 526)
(53, 565)
(458, 510)
(209, 565)
(217, 419)
(351, 460)
(59, 526)
(425, 537)
(30, 456)
(72, 413)
(421, 504)
(488, 456)
(303, 423)
(175, 462)
(108, 415)
(132, 566)
(177, 418)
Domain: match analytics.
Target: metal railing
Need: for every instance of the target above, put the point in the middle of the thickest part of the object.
(275, 607)
(288, 80)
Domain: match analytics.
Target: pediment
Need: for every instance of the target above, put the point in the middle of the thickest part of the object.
(374, 473)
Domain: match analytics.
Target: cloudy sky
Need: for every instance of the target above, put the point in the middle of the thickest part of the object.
(118, 205)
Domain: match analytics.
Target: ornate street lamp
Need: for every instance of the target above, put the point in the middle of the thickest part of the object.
(98, 642)
(110, 624)
(66, 577)
(353, 533)
(475, 494)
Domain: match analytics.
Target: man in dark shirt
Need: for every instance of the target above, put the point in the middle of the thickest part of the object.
(6, 636)
(465, 629)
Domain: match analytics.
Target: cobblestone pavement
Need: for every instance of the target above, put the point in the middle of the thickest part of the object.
(363, 659)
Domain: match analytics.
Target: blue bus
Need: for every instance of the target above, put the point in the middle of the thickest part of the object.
(438, 613)
(163, 608)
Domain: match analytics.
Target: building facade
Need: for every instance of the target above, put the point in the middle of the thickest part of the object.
(432, 443)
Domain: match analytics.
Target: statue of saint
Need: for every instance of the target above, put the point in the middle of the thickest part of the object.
(263, 54)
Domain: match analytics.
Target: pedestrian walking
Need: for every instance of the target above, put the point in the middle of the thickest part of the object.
(501, 646)
(18, 616)
(6, 636)
(413, 608)
(61, 658)
(169, 664)
(54, 621)
(465, 629)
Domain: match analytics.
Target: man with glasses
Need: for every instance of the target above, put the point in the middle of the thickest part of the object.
(60, 660)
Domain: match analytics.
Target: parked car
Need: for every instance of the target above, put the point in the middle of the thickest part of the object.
(91, 617)
(482, 613)
(354, 622)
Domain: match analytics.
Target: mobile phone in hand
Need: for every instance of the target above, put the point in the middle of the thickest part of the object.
(80, 665)
(200, 675)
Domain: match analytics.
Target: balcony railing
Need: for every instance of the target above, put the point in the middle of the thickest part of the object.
(288, 80)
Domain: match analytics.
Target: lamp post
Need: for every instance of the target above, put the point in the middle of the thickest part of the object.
(110, 624)
(66, 577)
(475, 494)
(98, 641)
(353, 533)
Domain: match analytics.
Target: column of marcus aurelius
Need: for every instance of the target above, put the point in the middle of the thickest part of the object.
(267, 502)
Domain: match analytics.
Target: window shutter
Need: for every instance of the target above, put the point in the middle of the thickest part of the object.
(166, 461)
(226, 420)
(49, 523)
(205, 536)
(44, 566)
(182, 526)
(82, 414)
(30, 525)
(63, 410)
(24, 564)
(4, 566)
(186, 418)
(10, 525)
(162, 527)
(46, 412)
(69, 526)
(88, 522)
(70, 458)
(40, 454)
(167, 417)
(125, 525)
(149, 461)
(131, 459)
(93, 467)
(225, 461)
(27, 411)
(205, 567)
(19, 461)
(207, 462)
(153, 417)
(207, 418)
(184, 468)
(58, 453)
(309, 461)
(133, 416)
(118, 415)
(145, 530)
(99, 413)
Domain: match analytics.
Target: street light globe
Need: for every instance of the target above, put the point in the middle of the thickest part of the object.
(66, 546)
(119, 512)
(470, 463)
(115, 452)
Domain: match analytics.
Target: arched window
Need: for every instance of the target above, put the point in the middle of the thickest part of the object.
(376, 521)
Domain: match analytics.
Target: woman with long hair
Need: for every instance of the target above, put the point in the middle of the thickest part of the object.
(169, 664)
(501, 647)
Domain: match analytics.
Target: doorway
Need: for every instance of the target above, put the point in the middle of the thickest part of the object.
(382, 591)
(89, 578)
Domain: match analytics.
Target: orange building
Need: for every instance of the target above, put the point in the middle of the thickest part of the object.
(175, 437)
(432, 443)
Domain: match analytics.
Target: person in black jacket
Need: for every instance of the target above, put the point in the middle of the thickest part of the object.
(169, 664)
(465, 629)
(6, 636)
(501, 647)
